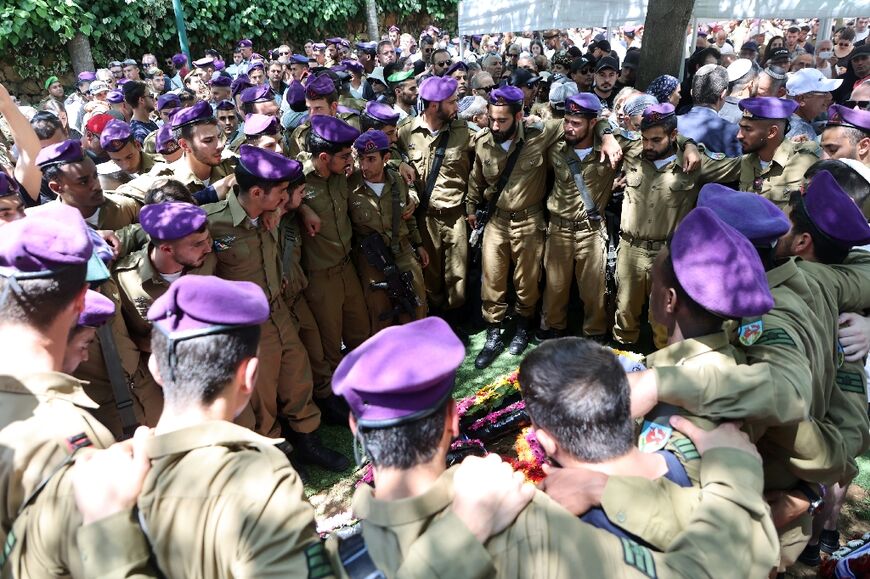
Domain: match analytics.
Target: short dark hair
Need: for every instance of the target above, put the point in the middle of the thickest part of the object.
(40, 301)
(669, 124)
(406, 445)
(367, 122)
(852, 182)
(186, 131)
(203, 366)
(45, 124)
(133, 91)
(439, 51)
(167, 191)
(577, 391)
(515, 107)
(826, 250)
(707, 89)
(317, 145)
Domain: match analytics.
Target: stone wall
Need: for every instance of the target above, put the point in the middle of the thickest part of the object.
(29, 90)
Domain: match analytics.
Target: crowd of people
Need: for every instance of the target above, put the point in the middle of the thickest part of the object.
(228, 254)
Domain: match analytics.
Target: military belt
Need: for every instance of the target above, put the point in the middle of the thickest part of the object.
(585, 225)
(647, 244)
(520, 215)
(456, 209)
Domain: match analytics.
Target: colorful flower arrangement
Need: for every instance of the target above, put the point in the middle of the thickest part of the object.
(530, 456)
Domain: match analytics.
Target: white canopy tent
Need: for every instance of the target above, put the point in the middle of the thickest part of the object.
(489, 16)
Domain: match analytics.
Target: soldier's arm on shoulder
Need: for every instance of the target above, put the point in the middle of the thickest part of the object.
(775, 388)
(115, 548)
(851, 279)
(717, 168)
(476, 182)
(132, 238)
(821, 454)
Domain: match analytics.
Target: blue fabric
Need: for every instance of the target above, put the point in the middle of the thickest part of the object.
(704, 125)
(730, 111)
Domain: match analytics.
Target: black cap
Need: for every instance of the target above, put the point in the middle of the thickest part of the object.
(523, 78)
(632, 59)
(582, 62)
(780, 54)
(607, 62)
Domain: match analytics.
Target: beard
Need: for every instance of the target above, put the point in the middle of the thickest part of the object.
(505, 135)
(654, 155)
(753, 148)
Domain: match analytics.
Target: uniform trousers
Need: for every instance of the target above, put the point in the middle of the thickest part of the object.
(633, 284)
(445, 239)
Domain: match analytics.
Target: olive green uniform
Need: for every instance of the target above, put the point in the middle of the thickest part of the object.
(334, 293)
(516, 230)
(576, 245)
(370, 214)
(656, 200)
(245, 251)
(180, 171)
(784, 173)
(295, 282)
(547, 541)
(296, 141)
(132, 189)
(442, 226)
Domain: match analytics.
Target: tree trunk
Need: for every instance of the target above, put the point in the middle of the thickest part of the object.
(372, 20)
(80, 53)
(664, 38)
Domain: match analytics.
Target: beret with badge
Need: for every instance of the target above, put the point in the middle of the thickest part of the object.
(115, 136)
(506, 95)
(583, 103)
(372, 141)
(319, 87)
(62, 153)
(200, 112)
(767, 108)
(656, 115)
(840, 116)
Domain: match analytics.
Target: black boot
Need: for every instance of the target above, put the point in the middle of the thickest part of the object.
(310, 450)
(333, 410)
(829, 541)
(521, 337)
(300, 469)
(491, 349)
(550, 334)
(811, 556)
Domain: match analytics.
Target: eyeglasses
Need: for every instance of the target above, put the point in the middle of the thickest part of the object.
(844, 44)
(486, 88)
(283, 53)
(863, 105)
(445, 63)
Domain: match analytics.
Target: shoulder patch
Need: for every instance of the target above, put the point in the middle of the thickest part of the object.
(630, 135)
(775, 337)
(223, 243)
(686, 449)
(713, 155)
(849, 381)
(317, 561)
(638, 557)
(749, 332)
(128, 262)
(143, 304)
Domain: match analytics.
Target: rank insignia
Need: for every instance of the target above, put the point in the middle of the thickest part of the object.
(654, 436)
(223, 243)
(749, 332)
(713, 155)
(143, 304)
(841, 354)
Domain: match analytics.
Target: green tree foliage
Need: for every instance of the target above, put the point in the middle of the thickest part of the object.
(35, 32)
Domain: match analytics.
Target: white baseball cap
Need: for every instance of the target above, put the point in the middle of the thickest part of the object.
(738, 68)
(809, 80)
(98, 86)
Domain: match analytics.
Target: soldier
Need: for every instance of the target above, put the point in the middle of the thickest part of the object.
(97, 310)
(380, 117)
(321, 98)
(166, 147)
(220, 89)
(245, 250)
(263, 131)
(377, 193)
(847, 134)
(225, 113)
(179, 242)
(125, 153)
(334, 293)
(509, 175)
(44, 414)
(771, 165)
(259, 99)
(662, 184)
(11, 207)
(413, 403)
(438, 146)
(403, 85)
(576, 240)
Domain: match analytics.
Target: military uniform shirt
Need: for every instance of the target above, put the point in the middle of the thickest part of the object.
(329, 198)
(565, 200)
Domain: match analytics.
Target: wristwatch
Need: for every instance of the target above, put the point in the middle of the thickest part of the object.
(816, 501)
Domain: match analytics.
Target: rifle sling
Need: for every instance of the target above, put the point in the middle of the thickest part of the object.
(434, 170)
(123, 400)
(503, 178)
(585, 194)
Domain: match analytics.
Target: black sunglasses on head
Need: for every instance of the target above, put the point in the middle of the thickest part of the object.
(864, 105)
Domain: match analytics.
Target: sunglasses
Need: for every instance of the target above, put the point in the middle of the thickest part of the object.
(863, 105)
(283, 53)
(445, 63)
(486, 88)
(844, 44)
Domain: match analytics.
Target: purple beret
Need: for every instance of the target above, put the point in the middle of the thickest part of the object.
(115, 97)
(394, 28)
(767, 108)
(319, 87)
(115, 136)
(381, 112)
(333, 129)
(258, 94)
(168, 101)
(179, 60)
(319, 46)
(438, 88)
(402, 373)
(371, 141)
(165, 143)
(757, 218)
(68, 151)
(121, 82)
(222, 80)
(268, 165)
(299, 59)
(295, 93)
(367, 47)
(225, 105)
(457, 66)
(97, 311)
(841, 116)
(583, 103)
(256, 124)
(718, 267)
(354, 66)
(240, 83)
(208, 304)
(54, 238)
(219, 64)
(245, 43)
(203, 62)
(8, 185)
(334, 40)
(171, 221)
(655, 114)
(834, 212)
(199, 112)
(255, 65)
(87, 76)
(506, 95)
